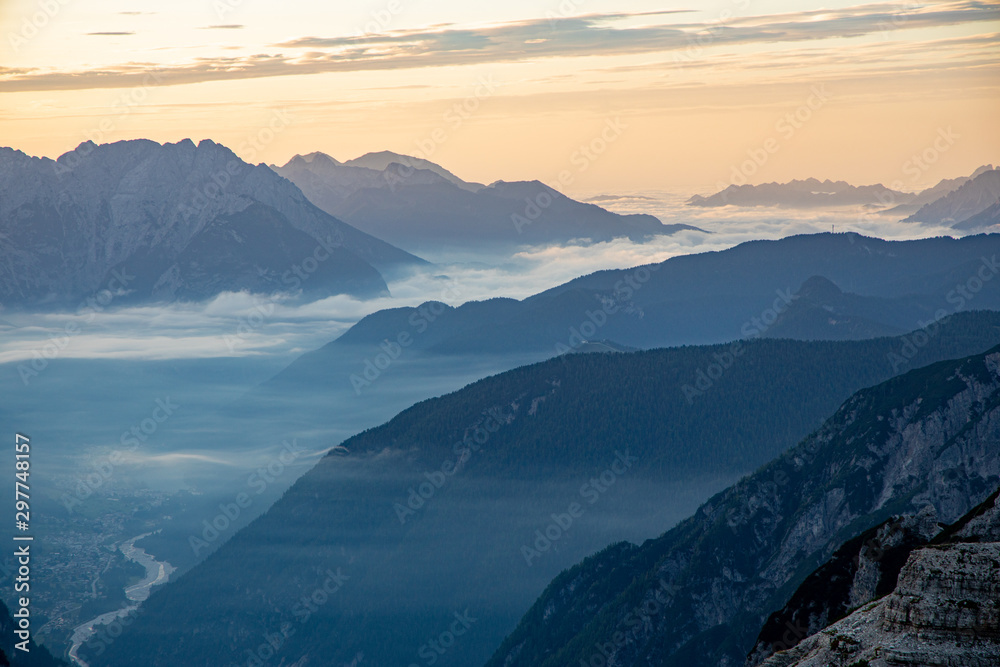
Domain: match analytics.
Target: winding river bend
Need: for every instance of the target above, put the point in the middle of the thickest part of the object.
(157, 572)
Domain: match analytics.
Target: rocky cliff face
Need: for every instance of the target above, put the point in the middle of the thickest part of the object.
(945, 609)
(148, 221)
(844, 583)
(928, 439)
(862, 569)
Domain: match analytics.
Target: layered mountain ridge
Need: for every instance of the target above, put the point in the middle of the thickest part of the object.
(542, 430)
(927, 439)
(812, 287)
(962, 207)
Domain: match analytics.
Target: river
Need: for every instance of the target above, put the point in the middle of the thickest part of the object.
(157, 572)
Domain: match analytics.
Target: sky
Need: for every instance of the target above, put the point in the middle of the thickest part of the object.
(627, 95)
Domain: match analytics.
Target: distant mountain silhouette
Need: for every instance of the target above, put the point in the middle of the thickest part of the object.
(419, 205)
(382, 160)
(808, 193)
(986, 219)
(944, 187)
(823, 312)
(812, 193)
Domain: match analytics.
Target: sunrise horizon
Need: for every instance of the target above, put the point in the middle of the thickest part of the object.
(516, 92)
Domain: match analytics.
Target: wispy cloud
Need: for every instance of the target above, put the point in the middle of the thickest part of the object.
(110, 33)
(450, 45)
(228, 26)
(179, 457)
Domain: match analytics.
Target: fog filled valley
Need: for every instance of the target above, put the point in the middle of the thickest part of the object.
(605, 334)
(410, 495)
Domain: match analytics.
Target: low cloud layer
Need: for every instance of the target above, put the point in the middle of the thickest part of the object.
(241, 325)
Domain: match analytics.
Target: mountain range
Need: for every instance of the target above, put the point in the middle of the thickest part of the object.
(469, 503)
(966, 203)
(806, 193)
(814, 422)
(381, 161)
(790, 288)
(137, 221)
(419, 205)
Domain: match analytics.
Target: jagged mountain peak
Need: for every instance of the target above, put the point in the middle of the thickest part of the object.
(810, 192)
(147, 205)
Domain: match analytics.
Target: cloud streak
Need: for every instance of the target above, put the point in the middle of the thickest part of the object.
(523, 41)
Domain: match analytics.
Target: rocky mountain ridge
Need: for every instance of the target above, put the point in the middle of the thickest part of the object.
(928, 438)
(864, 570)
(140, 221)
(945, 609)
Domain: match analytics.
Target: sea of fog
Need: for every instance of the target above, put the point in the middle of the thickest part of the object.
(280, 328)
(80, 383)
(148, 419)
